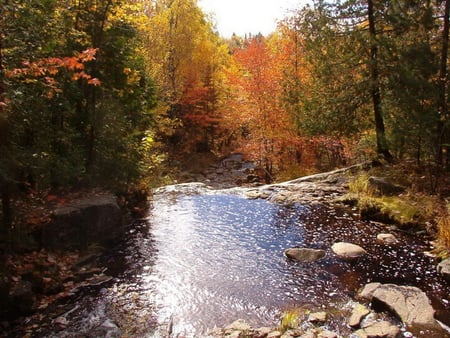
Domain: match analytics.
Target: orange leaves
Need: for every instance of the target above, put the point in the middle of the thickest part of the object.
(47, 69)
(256, 106)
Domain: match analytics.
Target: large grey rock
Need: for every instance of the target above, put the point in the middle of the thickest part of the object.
(305, 255)
(348, 251)
(444, 268)
(408, 303)
(96, 219)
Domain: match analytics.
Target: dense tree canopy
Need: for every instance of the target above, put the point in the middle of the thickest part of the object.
(106, 90)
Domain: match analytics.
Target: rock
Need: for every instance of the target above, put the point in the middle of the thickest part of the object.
(96, 219)
(234, 334)
(358, 313)
(274, 334)
(444, 268)
(21, 299)
(327, 334)
(311, 333)
(387, 238)
(368, 290)
(384, 187)
(320, 317)
(348, 251)
(263, 331)
(305, 255)
(238, 325)
(381, 329)
(409, 303)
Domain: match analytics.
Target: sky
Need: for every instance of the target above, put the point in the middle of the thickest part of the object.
(248, 16)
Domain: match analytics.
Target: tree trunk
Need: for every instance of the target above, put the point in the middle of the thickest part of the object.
(5, 195)
(443, 132)
(382, 147)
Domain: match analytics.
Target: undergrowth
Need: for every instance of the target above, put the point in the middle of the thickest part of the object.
(409, 209)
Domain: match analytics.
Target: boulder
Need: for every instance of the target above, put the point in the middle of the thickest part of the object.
(381, 329)
(444, 268)
(305, 255)
(408, 303)
(96, 219)
(22, 299)
(348, 251)
(384, 187)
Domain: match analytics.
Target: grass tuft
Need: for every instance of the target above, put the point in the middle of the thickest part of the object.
(291, 319)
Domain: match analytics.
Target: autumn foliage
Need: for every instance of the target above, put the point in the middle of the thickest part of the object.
(46, 69)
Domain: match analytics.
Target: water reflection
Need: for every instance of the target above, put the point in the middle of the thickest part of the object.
(221, 257)
(204, 260)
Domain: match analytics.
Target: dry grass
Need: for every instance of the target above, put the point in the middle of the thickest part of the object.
(443, 223)
(411, 208)
(291, 319)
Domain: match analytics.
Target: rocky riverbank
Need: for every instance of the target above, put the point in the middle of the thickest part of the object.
(370, 314)
(380, 310)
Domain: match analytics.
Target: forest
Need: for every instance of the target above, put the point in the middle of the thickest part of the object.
(122, 94)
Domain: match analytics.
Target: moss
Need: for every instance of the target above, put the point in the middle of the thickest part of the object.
(406, 210)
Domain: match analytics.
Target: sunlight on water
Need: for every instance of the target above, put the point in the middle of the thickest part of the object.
(221, 257)
(203, 259)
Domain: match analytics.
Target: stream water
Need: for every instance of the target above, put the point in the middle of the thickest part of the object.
(204, 258)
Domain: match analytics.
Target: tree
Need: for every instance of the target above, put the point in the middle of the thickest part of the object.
(62, 124)
(266, 129)
(382, 147)
(443, 126)
(186, 58)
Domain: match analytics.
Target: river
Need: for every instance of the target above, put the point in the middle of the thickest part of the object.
(203, 258)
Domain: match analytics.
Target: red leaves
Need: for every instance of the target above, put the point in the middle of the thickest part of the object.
(46, 69)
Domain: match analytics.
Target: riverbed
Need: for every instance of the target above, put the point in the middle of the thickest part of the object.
(205, 257)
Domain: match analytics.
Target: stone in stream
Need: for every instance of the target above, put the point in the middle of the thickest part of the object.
(348, 251)
(381, 329)
(444, 268)
(410, 304)
(358, 313)
(387, 238)
(305, 255)
(318, 317)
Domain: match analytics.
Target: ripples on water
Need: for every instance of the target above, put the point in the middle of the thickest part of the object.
(208, 259)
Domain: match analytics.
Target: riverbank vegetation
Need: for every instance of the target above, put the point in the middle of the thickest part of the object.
(122, 95)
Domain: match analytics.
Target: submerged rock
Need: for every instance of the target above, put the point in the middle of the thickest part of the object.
(444, 268)
(305, 255)
(348, 251)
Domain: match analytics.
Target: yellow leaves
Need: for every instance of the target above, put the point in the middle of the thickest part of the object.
(133, 76)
